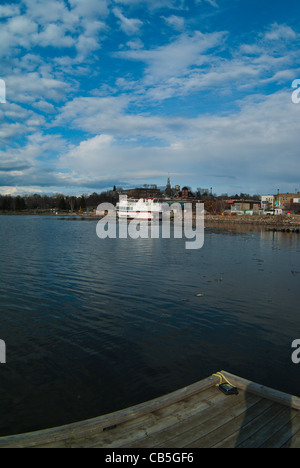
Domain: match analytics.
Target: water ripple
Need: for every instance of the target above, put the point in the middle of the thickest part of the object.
(92, 326)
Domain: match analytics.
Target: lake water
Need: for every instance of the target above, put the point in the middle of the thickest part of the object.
(92, 326)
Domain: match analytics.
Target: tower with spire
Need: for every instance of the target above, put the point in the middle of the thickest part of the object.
(168, 190)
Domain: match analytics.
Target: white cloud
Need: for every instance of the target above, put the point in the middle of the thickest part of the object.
(153, 4)
(279, 32)
(33, 86)
(90, 156)
(16, 121)
(26, 63)
(56, 11)
(176, 22)
(54, 36)
(90, 8)
(135, 43)
(56, 26)
(125, 138)
(92, 114)
(175, 58)
(248, 143)
(101, 159)
(109, 116)
(16, 32)
(86, 44)
(44, 106)
(213, 3)
(129, 26)
(196, 62)
(7, 11)
(22, 165)
(10, 131)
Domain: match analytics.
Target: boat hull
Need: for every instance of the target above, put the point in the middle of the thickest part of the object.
(145, 215)
(139, 209)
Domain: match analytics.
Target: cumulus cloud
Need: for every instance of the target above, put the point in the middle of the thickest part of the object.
(23, 166)
(213, 3)
(15, 33)
(154, 4)
(86, 106)
(54, 36)
(7, 11)
(90, 8)
(280, 31)
(195, 62)
(33, 86)
(55, 26)
(130, 26)
(175, 58)
(247, 143)
(176, 22)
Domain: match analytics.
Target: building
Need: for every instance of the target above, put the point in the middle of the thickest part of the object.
(285, 200)
(168, 190)
(246, 207)
(242, 206)
(296, 205)
(267, 202)
(185, 193)
(142, 192)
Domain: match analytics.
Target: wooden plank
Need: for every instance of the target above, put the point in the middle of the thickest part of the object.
(72, 430)
(99, 438)
(263, 391)
(168, 417)
(200, 424)
(227, 435)
(139, 428)
(165, 426)
(294, 442)
(292, 430)
(250, 425)
(278, 417)
(217, 423)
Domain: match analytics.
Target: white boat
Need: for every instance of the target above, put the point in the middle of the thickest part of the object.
(139, 209)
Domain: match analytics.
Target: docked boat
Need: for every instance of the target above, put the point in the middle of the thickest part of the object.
(146, 209)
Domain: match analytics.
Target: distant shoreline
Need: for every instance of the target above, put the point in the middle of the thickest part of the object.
(276, 223)
(48, 213)
(291, 222)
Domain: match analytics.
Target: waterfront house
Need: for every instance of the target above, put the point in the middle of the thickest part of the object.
(285, 200)
(267, 202)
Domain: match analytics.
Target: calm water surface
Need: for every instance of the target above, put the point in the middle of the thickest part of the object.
(92, 326)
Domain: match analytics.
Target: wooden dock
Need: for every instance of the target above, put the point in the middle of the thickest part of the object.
(197, 416)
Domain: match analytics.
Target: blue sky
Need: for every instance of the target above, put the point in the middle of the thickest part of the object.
(128, 92)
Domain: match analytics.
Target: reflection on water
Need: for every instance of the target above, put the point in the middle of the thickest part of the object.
(92, 326)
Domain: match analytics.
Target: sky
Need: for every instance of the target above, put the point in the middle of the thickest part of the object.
(130, 92)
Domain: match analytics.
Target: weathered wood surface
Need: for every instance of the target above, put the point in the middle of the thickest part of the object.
(196, 416)
(261, 390)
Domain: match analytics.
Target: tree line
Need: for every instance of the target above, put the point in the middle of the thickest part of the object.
(61, 202)
(55, 202)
